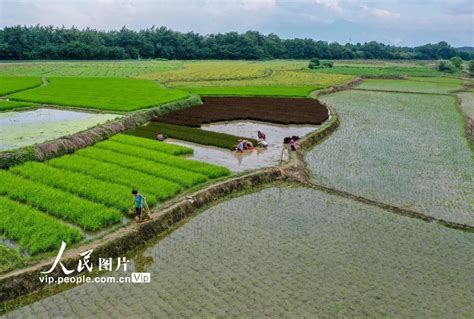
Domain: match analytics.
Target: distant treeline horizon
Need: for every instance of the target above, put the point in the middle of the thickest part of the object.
(60, 43)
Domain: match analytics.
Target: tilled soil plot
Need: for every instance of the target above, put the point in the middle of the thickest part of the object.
(275, 110)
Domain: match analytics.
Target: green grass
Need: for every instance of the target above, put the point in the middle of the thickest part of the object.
(407, 150)
(189, 134)
(114, 94)
(109, 194)
(381, 71)
(160, 188)
(55, 202)
(416, 85)
(33, 230)
(209, 170)
(152, 144)
(11, 84)
(174, 174)
(10, 105)
(285, 91)
(10, 259)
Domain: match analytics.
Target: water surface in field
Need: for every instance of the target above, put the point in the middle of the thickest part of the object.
(287, 253)
(248, 160)
(23, 128)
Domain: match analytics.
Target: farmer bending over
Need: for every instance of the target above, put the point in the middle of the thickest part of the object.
(262, 139)
(138, 200)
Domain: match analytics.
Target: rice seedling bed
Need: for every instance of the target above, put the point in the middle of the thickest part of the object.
(209, 170)
(58, 203)
(32, 229)
(160, 188)
(381, 71)
(189, 134)
(275, 110)
(407, 150)
(263, 91)
(10, 105)
(125, 68)
(152, 145)
(114, 94)
(12, 84)
(180, 176)
(417, 85)
(107, 193)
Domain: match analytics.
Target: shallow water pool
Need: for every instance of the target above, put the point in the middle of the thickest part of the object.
(23, 128)
(287, 253)
(257, 158)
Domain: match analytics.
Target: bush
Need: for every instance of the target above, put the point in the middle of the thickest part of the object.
(471, 68)
(456, 61)
(327, 64)
(314, 63)
(446, 66)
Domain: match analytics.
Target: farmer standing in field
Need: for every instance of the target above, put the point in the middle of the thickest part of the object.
(138, 201)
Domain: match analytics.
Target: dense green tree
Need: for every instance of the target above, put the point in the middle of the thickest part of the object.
(48, 42)
(456, 61)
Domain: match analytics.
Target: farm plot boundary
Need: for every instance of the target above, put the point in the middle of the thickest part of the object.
(66, 145)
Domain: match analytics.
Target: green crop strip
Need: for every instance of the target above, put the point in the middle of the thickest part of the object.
(158, 187)
(177, 175)
(89, 215)
(283, 91)
(189, 134)
(209, 170)
(10, 105)
(115, 94)
(34, 230)
(152, 145)
(109, 194)
(11, 84)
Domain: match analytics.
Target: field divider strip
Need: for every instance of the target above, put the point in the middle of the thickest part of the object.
(403, 92)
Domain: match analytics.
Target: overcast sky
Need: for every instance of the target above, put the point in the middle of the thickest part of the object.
(398, 22)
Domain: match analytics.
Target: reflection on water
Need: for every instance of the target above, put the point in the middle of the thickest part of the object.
(288, 253)
(24, 128)
(248, 160)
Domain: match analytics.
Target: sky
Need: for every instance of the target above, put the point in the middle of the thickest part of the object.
(395, 22)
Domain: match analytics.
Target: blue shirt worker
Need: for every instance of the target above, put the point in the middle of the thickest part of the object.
(138, 203)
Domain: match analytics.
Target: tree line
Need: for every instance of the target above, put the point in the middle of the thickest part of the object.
(53, 43)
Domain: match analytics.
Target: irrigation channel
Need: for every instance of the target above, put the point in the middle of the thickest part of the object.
(283, 251)
(24, 128)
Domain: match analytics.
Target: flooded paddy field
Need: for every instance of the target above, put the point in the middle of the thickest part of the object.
(407, 150)
(248, 160)
(19, 129)
(292, 253)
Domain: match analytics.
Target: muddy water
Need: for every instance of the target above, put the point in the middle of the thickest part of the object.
(257, 158)
(288, 253)
(19, 129)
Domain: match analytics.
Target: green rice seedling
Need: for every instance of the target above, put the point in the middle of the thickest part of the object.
(283, 91)
(177, 175)
(158, 187)
(417, 85)
(97, 190)
(115, 94)
(190, 134)
(152, 145)
(11, 84)
(209, 170)
(10, 105)
(32, 229)
(87, 214)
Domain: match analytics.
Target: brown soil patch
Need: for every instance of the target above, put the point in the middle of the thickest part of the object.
(275, 110)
